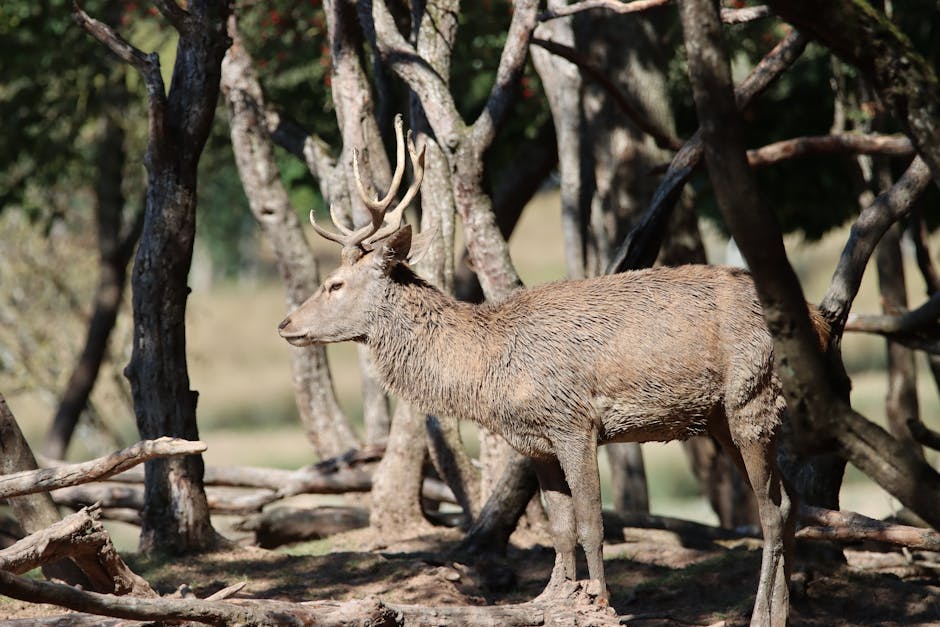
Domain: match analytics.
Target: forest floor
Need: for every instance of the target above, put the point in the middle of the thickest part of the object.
(652, 582)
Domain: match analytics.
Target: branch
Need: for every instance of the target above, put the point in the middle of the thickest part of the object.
(747, 14)
(864, 37)
(159, 609)
(79, 534)
(840, 143)
(572, 604)
(924, 434)
(430, 87)
(663, 137)
(728, 16)
(45, 479)
(910, 321)
(176, 15)
(826, 524)
(511, 62)
(147, 64)
(614, 6)
(641, 245)
(871, 224)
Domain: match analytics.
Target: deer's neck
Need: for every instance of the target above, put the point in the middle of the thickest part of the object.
(432, 350)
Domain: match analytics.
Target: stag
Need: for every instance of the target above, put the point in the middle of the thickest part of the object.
(652, 355)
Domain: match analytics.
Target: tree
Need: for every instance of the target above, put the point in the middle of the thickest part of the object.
(176, 517)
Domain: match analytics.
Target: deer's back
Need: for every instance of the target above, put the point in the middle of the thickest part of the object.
(648, 355)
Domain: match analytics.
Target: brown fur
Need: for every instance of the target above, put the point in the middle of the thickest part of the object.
(651, 355)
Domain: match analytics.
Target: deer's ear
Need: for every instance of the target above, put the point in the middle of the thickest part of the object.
(421, 244)
(394, 248)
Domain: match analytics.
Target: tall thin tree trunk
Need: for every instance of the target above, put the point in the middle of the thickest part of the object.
(324, 422)
(901, 400)
(176, 515)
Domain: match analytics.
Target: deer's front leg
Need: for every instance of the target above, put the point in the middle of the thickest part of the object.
(557, 497)
(578, 458)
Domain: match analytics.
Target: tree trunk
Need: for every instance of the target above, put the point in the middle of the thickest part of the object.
(326, 426)
(116, 242)
(901, 400)
(176, 516)
(809, 384)
(396, 485)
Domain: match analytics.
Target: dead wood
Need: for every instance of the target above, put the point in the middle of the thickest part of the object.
(825, 524)
(836, 143)
(573, 603)
(924, 434)
(45, 479)
(285, 525)
(77, 535)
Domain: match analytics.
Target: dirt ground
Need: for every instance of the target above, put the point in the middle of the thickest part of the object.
(656, 581)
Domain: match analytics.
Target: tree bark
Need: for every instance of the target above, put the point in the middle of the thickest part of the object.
(176, 518)
(396, 487)
(808, 383)
(864, 37)
(33, 512)
(324, 422)
(901, 404)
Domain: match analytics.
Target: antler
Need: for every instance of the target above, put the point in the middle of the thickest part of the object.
(375, 230)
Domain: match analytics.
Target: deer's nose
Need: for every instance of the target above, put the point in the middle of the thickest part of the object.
(284, 323)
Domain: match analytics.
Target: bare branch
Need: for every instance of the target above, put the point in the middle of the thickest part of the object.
(430, 87)
(924, 434)
(614, 6)
(826, 524)
(910, 321)
(747, 14)
(45, 479)
(79, 534)
(867, 230)
(212, 612)
(840, 143)
(728, 16)
(179, 17)
(511, 62)
(641, 245)
(663, 137)
(147, 64)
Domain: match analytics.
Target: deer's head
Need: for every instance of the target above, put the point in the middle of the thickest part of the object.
(342, 307)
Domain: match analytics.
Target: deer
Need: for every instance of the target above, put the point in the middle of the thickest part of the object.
(651, 355)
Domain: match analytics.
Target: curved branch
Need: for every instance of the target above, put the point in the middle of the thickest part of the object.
(614, 6)
(839, 143)
(641, 245)
(45, 479)
(728, 16)
(147, 64)
(911, 321)
(511, 62)
(874, 220)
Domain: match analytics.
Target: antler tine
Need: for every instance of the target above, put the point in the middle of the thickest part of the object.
(335, 237)
(337, 221)
(375, 204)
(393, 217)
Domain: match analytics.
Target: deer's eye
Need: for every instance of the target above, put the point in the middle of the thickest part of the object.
(334, 286)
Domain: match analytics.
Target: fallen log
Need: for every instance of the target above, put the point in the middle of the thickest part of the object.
(841, 526)
(46, 479)
(285, 525)
(77, 535)
(572, 605)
